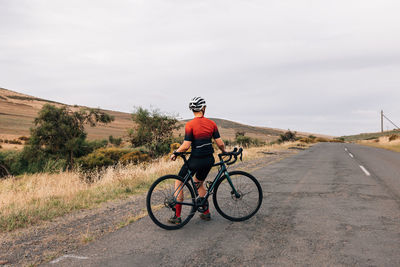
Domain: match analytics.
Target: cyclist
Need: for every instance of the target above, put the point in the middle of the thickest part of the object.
(198, 134)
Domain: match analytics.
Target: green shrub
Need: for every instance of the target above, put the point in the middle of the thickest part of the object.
(337, 140)
(393, 137)
(243, 141)
(135, 157)
(15, 142)
(287, 136)
(52, 165)
(8, 159)
(115, 141)
(23, 138)
(90, 146)
(14, 162)
(340, 139)
(321, 140)
(307, 140)
(159, 149)
(102, 157)
(229, 142)
(257, 142)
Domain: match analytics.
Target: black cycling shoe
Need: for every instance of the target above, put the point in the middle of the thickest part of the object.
(175, 220)
(205, 217)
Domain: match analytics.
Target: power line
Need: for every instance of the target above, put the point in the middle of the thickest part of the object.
(384, 116)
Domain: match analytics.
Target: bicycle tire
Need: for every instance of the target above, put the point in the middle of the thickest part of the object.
(162, 191)
(225, 200)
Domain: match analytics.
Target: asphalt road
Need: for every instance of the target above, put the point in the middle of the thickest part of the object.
(331, 205)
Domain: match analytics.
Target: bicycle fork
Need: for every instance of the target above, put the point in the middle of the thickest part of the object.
(237, 195)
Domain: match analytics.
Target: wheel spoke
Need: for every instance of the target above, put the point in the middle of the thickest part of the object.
(238, 208)
(161, 202)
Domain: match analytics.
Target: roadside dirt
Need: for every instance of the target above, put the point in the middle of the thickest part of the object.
(44, 242)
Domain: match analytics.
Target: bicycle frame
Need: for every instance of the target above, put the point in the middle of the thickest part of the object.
(188, 177)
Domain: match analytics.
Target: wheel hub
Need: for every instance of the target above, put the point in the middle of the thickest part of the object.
(234, 197)
(169, 202)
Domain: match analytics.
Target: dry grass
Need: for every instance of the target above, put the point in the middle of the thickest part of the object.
(86, 237)
(255, 152)
(386, 142)
(30, 199)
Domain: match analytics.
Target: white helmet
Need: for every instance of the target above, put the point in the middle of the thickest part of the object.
(197, 103)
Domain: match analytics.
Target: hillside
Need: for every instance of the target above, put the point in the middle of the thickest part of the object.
(369, 136)
(17, 113)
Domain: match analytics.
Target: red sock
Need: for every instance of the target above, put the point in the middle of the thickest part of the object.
(206, 212)
(178, 209)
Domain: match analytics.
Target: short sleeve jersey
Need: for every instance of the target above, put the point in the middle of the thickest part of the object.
(200, 131)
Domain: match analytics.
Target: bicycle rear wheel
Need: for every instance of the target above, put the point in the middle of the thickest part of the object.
(242, 207)
(161, 201)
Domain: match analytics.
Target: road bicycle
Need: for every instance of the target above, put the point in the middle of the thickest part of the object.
(237, 195)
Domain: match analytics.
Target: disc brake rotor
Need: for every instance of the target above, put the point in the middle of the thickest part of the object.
(233, 196)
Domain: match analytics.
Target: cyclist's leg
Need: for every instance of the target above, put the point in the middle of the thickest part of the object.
(179, 196)
(203, 167)
(200, 187)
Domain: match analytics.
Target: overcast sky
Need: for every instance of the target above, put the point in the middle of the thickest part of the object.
(318, 66)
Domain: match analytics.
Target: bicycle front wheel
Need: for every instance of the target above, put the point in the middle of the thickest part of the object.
(162, 200)
(241, 206)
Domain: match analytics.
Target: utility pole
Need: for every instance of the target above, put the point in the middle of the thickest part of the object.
(382, 121)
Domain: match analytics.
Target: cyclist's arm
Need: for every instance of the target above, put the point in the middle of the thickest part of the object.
(220, 144)
(185, 146)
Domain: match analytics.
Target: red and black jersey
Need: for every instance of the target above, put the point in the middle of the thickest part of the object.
(200, 131)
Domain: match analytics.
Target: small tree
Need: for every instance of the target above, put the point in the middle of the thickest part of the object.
(153, 130)
(239, 133)
(243, 141)
(60, 132)
(115, 141)
(287, 136)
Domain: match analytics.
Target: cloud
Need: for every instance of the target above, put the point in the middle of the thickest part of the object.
(304, 65)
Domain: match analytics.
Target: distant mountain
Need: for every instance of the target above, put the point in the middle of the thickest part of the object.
(18, 111)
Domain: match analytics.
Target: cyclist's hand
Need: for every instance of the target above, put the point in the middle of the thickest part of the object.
(173, 157)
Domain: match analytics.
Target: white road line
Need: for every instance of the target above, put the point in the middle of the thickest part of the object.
(345, 149)
(351, 155)
(68, 256)
(365, 170)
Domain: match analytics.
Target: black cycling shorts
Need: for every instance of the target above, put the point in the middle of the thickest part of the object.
(200, 166)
